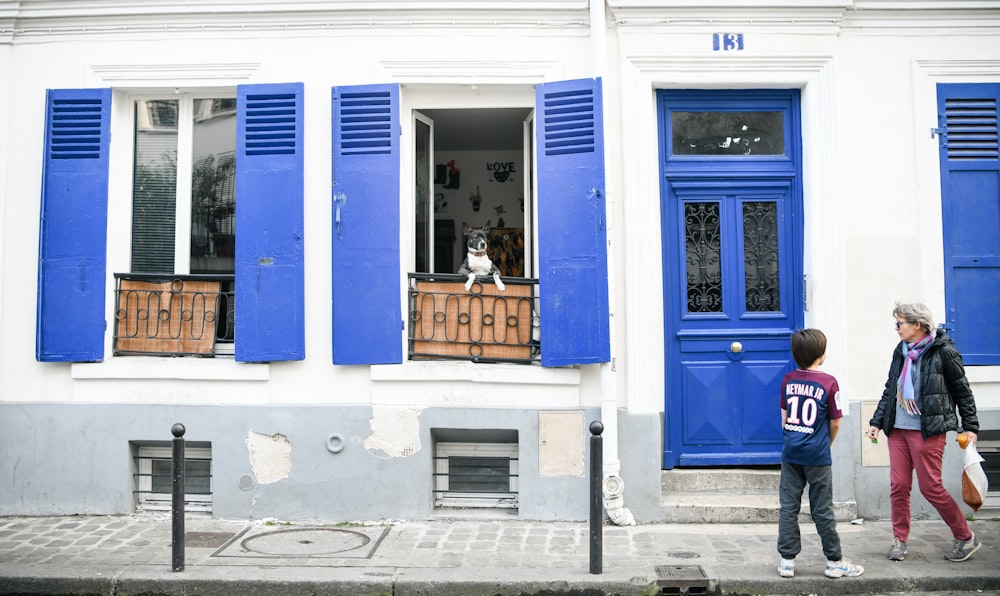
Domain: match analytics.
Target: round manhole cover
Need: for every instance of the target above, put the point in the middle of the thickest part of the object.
(305, 542)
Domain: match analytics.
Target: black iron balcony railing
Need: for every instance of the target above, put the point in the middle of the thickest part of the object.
(173, 315)
(482, 324)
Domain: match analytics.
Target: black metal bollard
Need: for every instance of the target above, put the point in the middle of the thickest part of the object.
(178, 497)
(596, 501)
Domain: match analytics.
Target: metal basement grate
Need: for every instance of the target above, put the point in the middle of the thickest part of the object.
(681, 579)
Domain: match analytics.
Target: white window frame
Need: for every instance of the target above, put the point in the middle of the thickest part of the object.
(457, 499)
(186, 118)
(150, 501)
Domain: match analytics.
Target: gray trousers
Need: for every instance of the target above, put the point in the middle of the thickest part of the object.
(794, 478)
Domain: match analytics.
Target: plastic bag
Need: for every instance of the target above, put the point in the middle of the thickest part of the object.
(974, 483)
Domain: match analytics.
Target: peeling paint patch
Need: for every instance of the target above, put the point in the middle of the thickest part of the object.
(395, 431)
(270, 456)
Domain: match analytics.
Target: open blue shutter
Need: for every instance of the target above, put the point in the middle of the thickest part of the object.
(970, 193)
(572, 240)
(367, 325)
(270, 269)
(72, 251)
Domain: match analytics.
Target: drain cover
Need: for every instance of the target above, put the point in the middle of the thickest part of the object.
(313, 542)
(683, 554)
(681, 579)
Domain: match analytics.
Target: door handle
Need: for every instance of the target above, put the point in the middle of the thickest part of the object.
(736, 347)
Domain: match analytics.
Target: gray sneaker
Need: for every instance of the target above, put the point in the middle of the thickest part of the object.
(898, 550)
(963, 549)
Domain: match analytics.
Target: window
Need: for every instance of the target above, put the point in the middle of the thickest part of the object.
(567, 169)
(183, 222)
(727, 133)
(473, 166)
(476, 475)
(187, 293)
(154, 477)
(183, 185)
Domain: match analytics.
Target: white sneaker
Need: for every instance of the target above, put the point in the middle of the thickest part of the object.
(786, 568)
(843, 568)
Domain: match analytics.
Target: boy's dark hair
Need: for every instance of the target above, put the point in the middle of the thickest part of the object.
(807, 346)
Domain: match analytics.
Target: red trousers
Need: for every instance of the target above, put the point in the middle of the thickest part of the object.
(909, 451)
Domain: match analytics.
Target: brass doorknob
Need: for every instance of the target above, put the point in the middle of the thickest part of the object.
(736, 347)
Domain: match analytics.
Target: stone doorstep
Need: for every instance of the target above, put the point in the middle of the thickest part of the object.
(731, 496)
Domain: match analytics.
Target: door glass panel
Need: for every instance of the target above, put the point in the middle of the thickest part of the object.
(760, 256)
(703, 253)
(728, 133)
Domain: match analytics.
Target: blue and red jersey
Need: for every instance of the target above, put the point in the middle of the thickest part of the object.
(811, 398)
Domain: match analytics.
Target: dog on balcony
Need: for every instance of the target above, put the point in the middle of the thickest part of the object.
(477, 260)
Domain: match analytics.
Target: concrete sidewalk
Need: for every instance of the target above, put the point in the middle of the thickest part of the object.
(132, 555)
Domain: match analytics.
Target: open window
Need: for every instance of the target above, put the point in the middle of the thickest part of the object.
(473, 170)
(473, 167)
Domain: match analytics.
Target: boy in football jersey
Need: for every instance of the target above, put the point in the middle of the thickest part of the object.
(811, 410)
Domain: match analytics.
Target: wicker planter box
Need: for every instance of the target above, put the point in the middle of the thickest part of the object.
(483, 324)
(171, 317)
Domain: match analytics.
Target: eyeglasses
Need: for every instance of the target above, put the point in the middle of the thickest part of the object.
(901, 323)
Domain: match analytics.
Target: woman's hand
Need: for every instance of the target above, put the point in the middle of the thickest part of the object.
(972, 437)
(873, 432)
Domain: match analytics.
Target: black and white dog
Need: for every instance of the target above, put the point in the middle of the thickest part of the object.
(477, 261)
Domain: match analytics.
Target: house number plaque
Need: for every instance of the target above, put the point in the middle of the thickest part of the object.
(727, 42)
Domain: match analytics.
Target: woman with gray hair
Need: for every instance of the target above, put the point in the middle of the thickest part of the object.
(926, 385)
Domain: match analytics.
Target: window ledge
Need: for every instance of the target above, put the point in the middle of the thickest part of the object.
(187, 369)
(475, 372)
(982, 374)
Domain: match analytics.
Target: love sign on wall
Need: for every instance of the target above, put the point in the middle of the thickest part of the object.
(501, 170)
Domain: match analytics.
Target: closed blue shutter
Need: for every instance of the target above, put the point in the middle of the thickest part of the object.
(970, 193)
(572, 239)
(72, 251)
(270, 269)
(367, 324)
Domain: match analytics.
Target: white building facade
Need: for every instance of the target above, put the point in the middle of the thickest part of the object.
(247, 218)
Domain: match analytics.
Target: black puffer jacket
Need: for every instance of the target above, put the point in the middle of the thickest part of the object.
(943, 387)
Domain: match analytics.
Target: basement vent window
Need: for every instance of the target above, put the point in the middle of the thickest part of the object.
(475, 475)
(988, 446)
(154, 477)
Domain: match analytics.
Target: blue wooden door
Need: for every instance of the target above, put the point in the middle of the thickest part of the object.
(732, 254)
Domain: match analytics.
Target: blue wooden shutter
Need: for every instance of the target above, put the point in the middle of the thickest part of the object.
(270, 269)
(72, 251)
(572, 240)
(367, 325)
(970, 193)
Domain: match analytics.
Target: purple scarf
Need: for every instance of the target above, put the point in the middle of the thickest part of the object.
(905, 396)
